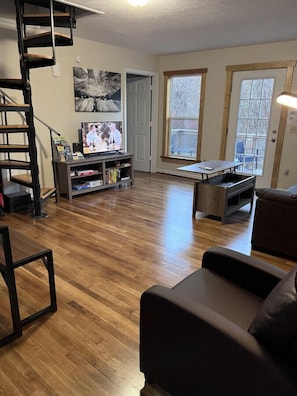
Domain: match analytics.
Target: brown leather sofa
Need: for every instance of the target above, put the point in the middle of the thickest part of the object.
(224, 330)
(275, 222)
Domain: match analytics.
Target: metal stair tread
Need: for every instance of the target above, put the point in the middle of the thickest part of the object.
(45, 40)
(61, 19)
(34, 60)
(14, 128)
(26, 180)
(46, 192)
(13, 83)
(14, 148)
(14, 107)
(14, 164)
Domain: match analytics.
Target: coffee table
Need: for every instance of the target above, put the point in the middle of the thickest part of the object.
(224, 192)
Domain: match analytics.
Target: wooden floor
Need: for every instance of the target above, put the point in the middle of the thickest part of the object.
(108, 248)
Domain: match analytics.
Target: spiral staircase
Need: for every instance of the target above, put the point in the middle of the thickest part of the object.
(21, 160)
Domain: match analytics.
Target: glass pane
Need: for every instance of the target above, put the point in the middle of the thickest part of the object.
(185, 96)
(252, 124)
(184, 137)
(243, 110)
(256, 92)
(184, 107)
(245, 92)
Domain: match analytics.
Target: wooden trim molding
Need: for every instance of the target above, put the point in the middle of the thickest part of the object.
(289, 65)
(184, 72)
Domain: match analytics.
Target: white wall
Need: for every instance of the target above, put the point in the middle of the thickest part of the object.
(216, 61)
(53, 97)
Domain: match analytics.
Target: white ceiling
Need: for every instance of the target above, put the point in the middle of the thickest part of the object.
(174, 26)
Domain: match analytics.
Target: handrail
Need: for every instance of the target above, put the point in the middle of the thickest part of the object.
(5, 95)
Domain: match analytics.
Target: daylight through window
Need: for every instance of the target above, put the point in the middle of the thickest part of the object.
(184, 91)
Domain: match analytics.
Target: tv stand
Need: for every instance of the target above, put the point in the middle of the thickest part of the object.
(76, 177)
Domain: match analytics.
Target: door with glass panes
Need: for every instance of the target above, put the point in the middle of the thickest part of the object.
(253, 122)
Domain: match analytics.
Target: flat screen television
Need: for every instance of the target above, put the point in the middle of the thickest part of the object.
(101, 137)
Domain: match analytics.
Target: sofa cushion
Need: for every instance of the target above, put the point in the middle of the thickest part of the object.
(276, 322)
(288, 197)
(220, 295)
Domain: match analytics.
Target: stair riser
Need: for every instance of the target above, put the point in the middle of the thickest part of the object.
(15, 150)
(36, 61)
(45, 43)
(57, 6)
(12, 83)
(15, 108)
(6, 130)
(63, 21)
(14, 166)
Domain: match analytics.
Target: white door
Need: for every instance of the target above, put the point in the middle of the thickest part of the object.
(254, 120)
(139, 121)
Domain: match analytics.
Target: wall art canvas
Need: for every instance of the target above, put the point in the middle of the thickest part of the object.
(96, 90)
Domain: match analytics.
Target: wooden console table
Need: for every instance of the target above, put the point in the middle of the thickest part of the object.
(224, 193)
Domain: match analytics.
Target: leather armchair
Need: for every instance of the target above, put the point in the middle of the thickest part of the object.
(195, 338)
(275, 222)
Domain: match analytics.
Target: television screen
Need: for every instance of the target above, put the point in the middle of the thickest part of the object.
(101, 137)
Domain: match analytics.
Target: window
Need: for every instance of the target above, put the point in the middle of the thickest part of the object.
(184, 95)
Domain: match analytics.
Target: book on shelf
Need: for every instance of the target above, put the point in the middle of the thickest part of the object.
(62, 150)
(112, 176)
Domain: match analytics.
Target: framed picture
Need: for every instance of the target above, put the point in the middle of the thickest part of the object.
(96, 91)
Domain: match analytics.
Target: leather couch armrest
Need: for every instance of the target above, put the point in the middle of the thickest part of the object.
(282, 196)
(189, 349)
(246, 271)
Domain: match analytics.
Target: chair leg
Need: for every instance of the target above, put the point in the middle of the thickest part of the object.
(47, 260)
(9, 278)
(49, 263)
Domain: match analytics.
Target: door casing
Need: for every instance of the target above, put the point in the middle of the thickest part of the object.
(289, 65)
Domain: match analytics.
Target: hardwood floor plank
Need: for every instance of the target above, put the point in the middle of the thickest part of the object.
(108, 248)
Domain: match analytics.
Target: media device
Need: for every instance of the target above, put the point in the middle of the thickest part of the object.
(77, 147)
(101, 137)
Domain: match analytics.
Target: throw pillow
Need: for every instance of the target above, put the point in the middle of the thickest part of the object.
(276, 322)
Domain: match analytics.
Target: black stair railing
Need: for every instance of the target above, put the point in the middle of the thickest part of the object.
(5, 98)
(50, 38)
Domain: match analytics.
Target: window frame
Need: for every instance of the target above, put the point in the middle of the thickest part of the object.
(166, 121)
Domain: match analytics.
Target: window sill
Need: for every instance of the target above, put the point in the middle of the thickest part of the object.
(172, 158)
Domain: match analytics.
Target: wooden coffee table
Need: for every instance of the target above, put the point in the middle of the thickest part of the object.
(224, 192)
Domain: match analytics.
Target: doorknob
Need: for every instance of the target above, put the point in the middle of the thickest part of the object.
(273, 140)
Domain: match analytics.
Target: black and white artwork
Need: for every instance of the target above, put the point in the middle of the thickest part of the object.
(96, 90)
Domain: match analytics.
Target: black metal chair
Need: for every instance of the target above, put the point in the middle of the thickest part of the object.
(16, 251)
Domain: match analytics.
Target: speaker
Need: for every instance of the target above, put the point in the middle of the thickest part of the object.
(77, 147)
(17, 201)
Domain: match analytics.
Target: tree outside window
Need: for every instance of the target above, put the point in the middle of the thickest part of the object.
(183, 123)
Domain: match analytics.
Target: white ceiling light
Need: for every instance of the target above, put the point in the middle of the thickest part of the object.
(138, 3)
(287, 99)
